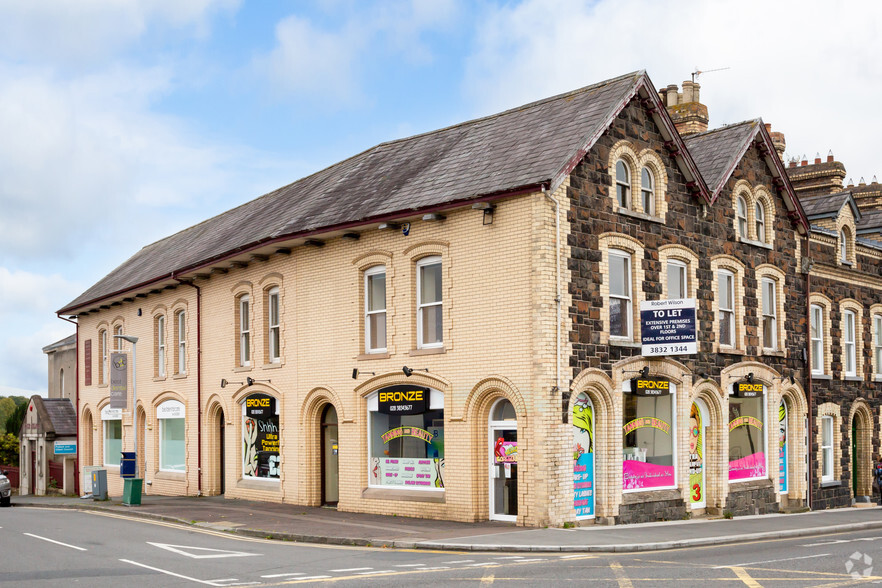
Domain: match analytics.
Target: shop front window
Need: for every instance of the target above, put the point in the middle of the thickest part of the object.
(747, 436)
(172, 451)
(112, 422)
(406, 438)
(583, 456)
(647, 435)
(260, 435)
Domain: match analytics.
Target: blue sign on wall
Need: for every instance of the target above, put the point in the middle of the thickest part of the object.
(65, 448)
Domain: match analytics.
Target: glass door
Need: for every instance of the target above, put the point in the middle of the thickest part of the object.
(503, 456)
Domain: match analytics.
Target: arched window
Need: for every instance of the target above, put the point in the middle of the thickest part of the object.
(620, 314)
(647, 191)
(742, 218)
(623, 184)
(843, 246)
(760, 222)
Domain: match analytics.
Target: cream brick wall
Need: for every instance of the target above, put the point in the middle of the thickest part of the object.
(499, 330)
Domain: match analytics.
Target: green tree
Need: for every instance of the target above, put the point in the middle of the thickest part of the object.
(7, 407)
(15, 420)
(9, 450)
(19, 400)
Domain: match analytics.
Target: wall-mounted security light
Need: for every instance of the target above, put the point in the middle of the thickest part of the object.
(749, 378)
(314, 242)
(393, 226)
(250, 381)
(488, 209)
(409, 371)
(433, 216)
(353, 236)
(356, 372)
(225, 383)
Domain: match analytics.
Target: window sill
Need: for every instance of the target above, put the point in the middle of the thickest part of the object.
(761, 244)
(102, 385)
(877, 378)
(773, 353)
(272, 366)
(179, 376)
(404, 495)
(845, 263)
(369, 356)
(831, 484)
(173, 476)
(853, 379)
(242, 368)
(730, 351)
(429, 351)
(821, 377)
(159, 379)
(270, 485)
(640, 215)
(624, 343)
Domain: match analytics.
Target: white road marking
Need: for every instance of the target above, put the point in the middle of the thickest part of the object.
(211, 553)
(838, 541)
(375, 572)
(485, 563)
(283, 575)
(313, 578)
(55, 542)
(510, 557)
(435, 568)
(168, 573)
(526, 560)
(459, 561)
(572, 556)
(409, 565)
(351, 569)
(235, 581)
(753, 563)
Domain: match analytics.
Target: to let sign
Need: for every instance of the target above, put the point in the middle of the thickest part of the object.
(119, 380)
(667, 327)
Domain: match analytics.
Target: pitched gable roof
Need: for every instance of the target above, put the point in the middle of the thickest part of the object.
(57, 416)
(829, 205)
(522, 149)
(718, 153)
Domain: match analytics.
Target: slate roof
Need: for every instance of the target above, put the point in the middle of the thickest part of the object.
(717, 152)
(69, 340)
(870, 221)
(523, 148)
(57, 416)
(829, 205)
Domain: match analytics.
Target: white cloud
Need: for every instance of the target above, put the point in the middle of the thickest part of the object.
(812, 72)
(81, 31)
(25, 292)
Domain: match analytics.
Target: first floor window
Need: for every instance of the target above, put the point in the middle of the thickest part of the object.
(877, 343)
(181, 318)
(620, 294)
(741, 215)
(647, 440)
(160, 346)
(172, 450)
(623, 184)
(827, 449)
(747, 438)
(760, 222)
(726, 291)
(816, 333)
(677, 280)
(102, 356)
(647, 191)
(112, 423)
(849, 358)
(770, 314)
(375, 309)
(260, 432)
(244, 331)
(430, 322)
(406, 438)
(273, 326)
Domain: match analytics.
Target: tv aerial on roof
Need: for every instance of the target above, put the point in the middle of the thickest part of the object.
(698, 72)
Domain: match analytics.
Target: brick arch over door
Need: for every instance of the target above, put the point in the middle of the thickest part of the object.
(860, 425)
(607, 413)
(716, 448)
(311, 411)
(217, 414)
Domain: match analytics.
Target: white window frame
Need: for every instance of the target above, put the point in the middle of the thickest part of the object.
(627, 297)
(647, 193)
(117, 338)
(244, 330)
(422, 263)
(106, 424)
(625, 184)
(827, 469)
(770, 330)
(160, 350)
(274, 332)
(817, 348)
(728, 313)
(181, 325)
(741, 217)
(849, 347)
(760, 221)
(877, 345)
(682, 269)
(180, 406)
(626, 389)
(369, 314)
(843, 246)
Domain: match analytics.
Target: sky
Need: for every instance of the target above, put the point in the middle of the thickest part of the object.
(124, 121)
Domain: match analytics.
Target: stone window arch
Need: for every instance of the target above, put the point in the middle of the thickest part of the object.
(728, 303)
(834, 472)
(766, 275)
(614, 248)
(851, 321)
(678, 256)
(638, 180)
(819, 334)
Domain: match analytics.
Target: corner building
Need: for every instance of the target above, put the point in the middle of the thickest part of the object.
(448, 326)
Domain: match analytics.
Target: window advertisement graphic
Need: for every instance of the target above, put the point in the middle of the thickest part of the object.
(261, 437)
(583, 456)
(647, 435)
(747, 450)
(696, 455)
(782, 447)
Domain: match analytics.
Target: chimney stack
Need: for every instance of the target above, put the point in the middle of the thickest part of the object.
(777, 141)
(686, 110)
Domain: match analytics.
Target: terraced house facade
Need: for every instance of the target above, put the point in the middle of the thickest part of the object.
(449, 326)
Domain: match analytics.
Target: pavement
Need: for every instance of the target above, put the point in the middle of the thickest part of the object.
(327, 525)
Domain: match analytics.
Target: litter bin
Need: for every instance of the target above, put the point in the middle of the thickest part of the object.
(99, 484)
(132, 491)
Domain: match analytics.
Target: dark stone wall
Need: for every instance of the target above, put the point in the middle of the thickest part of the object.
(648, 507)
(752, 498)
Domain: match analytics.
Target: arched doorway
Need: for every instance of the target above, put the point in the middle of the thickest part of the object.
(86, 446)
(503, 455)
(584, 452)
(330, 449)
(142, 443)
(861, 460)
(783, 448)
(699, 419)
(222, 445)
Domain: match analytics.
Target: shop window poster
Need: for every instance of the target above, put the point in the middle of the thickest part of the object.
(583, 456)
(747, 456)
(696, 455)
(782, 447)
(505, 451)
(261, 437)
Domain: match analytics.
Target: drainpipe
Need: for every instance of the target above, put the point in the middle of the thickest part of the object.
(198, 382)
(810, 425)
(557, 297)
(77, 403)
